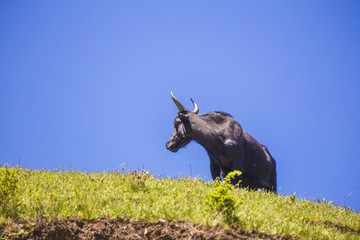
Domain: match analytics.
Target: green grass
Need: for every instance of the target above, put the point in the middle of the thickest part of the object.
(42, 194)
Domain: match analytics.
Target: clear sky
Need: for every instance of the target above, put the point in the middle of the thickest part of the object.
(86, 85)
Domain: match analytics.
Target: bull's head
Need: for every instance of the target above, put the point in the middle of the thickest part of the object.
(182, 128)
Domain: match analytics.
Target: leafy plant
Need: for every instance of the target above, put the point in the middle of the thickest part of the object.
(138, 179)
(9, 200)
(221, 200)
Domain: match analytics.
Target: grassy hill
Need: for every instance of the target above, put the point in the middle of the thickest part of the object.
(32, 196)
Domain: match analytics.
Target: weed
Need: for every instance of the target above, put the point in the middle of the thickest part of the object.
(293, 197)
(9, 200)
(138, 179)
(8, 183)
(324, 201)
(221, 200)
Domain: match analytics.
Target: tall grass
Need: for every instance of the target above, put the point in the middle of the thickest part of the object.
(138, 195)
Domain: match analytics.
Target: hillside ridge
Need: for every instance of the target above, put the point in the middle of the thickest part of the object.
(38, 197)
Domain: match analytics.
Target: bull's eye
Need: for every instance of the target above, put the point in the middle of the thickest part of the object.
(181, 129)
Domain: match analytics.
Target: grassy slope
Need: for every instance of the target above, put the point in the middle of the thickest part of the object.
(114, 195)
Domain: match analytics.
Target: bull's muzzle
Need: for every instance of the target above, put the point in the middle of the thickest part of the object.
(170, 147)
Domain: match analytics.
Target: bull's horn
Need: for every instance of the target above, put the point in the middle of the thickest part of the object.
(196, 108)
(177, 103)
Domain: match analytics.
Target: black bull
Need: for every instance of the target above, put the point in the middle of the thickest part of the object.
(228, 146)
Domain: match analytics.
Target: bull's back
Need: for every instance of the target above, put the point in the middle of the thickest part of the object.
(257, 159)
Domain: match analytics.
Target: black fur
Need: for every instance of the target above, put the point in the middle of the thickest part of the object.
(228, 146)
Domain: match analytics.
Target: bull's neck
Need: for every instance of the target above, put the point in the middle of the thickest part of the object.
(204, 133)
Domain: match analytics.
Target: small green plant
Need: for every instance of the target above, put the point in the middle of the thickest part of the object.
(8, 191)
(292, 197)
(324, 201)
(8, 183)
(138, 179)
(221, 200)
(18, 234)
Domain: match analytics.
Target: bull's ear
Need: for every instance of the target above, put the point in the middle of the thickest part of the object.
(184, 116)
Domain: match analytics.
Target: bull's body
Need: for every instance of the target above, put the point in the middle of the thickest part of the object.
(228, 146)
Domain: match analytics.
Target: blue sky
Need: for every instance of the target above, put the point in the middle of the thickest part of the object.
(86, 85)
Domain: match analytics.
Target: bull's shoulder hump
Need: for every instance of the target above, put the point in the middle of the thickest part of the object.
(216, 116)
(224, 114)
(222, 120)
